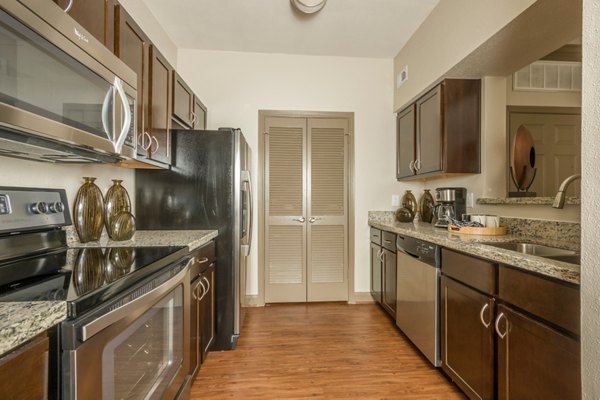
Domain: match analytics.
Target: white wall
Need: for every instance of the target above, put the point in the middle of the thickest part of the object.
(235, 86)
(590, 189)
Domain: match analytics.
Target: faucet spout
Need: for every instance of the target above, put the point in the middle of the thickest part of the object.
(559, 200)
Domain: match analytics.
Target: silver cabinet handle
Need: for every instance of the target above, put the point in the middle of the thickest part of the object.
(485, 307)
(202, 260)
(118, 143)
(312, 220)
(204, 291)
(496, 325)
(157, 145)
(195, 288)
(301, 219)
(388, 241)
(68, 7)
(411, 166)
(381, 256)
(193, 119)
(147, 148)
(418, 164)
(207, 284)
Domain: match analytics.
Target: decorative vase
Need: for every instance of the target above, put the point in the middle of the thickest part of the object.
(123, 226)
(116, 201)
(426, 204)
(88, 270)
(404, 214)
(410, 202)
(88, 211)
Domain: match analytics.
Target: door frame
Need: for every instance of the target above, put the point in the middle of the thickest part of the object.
(262, 115)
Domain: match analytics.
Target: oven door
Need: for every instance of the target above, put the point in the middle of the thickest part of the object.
(138, 350)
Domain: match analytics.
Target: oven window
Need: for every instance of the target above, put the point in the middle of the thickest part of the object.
(141, 361)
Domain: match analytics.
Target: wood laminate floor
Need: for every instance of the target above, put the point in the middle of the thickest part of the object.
(324, 351)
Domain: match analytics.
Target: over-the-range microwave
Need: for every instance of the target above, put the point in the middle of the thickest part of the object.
(64, 97)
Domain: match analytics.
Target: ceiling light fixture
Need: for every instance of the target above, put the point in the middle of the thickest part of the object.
(308, 6)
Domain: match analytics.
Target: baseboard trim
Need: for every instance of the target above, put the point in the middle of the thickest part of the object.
(253, 301)
(361, 298)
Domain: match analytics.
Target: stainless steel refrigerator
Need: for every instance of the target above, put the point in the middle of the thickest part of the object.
(207, 187)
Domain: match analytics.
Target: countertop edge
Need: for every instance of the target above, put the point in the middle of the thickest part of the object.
(469, 244)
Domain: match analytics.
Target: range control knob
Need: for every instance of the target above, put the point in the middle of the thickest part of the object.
(39, 208)
(56, 207)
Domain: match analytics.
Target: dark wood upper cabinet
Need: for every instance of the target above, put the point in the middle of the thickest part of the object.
(159, 106)
(199, 114)
(467, 336)
(445, 125)
(183, 101)
(96, 16)
(132, 46)
(534, 360)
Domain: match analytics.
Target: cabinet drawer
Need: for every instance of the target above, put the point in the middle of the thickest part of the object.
(204, 256)
(477, 273)
(376, 236)
(553, 301)
(388, 241)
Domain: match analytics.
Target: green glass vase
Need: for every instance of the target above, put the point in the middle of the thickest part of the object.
(116, 201)
(410, 202)
(426, 204)
(88, 211)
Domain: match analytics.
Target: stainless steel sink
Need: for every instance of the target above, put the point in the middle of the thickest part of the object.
(539, 250)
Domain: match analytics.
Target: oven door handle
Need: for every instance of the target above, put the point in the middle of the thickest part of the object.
(90, 329)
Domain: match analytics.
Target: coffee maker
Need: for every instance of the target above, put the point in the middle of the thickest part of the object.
(451, 203)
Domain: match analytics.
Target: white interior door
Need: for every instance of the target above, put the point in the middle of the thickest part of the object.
(306, 202)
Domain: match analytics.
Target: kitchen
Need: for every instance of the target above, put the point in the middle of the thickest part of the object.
(247, 82)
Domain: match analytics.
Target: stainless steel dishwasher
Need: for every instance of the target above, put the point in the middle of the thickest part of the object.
(417, 301)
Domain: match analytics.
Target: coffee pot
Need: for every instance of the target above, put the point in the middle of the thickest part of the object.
(450, 202)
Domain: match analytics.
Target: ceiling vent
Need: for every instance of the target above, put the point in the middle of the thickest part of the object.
(308, 6)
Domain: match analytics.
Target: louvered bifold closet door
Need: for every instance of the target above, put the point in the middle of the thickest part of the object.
(327, 207)
(285, 209)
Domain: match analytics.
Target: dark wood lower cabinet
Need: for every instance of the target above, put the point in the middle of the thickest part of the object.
(389, 282)
(534, 360)
(467, 336)
(24, 371)
(207, 310)
(376, 272)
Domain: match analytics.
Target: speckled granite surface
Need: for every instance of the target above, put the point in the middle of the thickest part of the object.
(19, 322)
(191, 238)
(471, 244)
(538, 201)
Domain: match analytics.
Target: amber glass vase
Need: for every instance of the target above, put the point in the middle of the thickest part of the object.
(426, 204)
(410, 202)
(116, 201)
(88, 211)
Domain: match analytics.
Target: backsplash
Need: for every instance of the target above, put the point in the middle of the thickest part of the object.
(529, 228)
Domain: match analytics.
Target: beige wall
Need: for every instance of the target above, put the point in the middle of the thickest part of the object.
(235, 86)
(453, 30)
(590, 273)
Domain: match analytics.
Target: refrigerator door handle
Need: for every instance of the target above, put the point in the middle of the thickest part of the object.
(246, 247)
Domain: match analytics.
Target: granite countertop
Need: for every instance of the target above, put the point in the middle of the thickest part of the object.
(23, 321)
(471, 244)
(20, 321)
(191, 238)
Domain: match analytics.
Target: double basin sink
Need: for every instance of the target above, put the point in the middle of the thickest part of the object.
(553, 253)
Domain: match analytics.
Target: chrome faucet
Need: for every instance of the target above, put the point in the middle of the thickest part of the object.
(559, 200)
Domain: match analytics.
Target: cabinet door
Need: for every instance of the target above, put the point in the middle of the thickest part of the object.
(376, 272)
(199, 114)
(132, 47)
(389, 282)
(207, 310)
(429, 132)
(24, 371)
(183, 101)
(467, 339)
(159, 106)
(534, 360)
(96, 16)
(405, 142)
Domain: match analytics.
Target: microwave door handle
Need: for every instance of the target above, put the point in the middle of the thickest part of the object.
(126, 112)
(92, 328)
(106, 109)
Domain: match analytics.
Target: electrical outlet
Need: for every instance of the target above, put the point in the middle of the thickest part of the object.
(395, 200)
(470, 200)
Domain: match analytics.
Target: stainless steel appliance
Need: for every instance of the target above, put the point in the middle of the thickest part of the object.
(127, 327)
(64, 97)
(451, 203)
(208, 187)
(417, 301)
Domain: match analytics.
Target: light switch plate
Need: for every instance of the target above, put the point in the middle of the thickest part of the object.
(395, 200)
(470, 200)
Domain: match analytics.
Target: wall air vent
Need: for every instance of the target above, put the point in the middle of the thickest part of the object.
(552, 76)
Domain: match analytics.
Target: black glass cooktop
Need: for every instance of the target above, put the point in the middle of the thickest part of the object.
(83, 277)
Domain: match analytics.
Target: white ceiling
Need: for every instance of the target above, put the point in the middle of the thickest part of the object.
(353, 28)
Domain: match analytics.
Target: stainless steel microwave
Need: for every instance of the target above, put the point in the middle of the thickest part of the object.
(59, 86)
